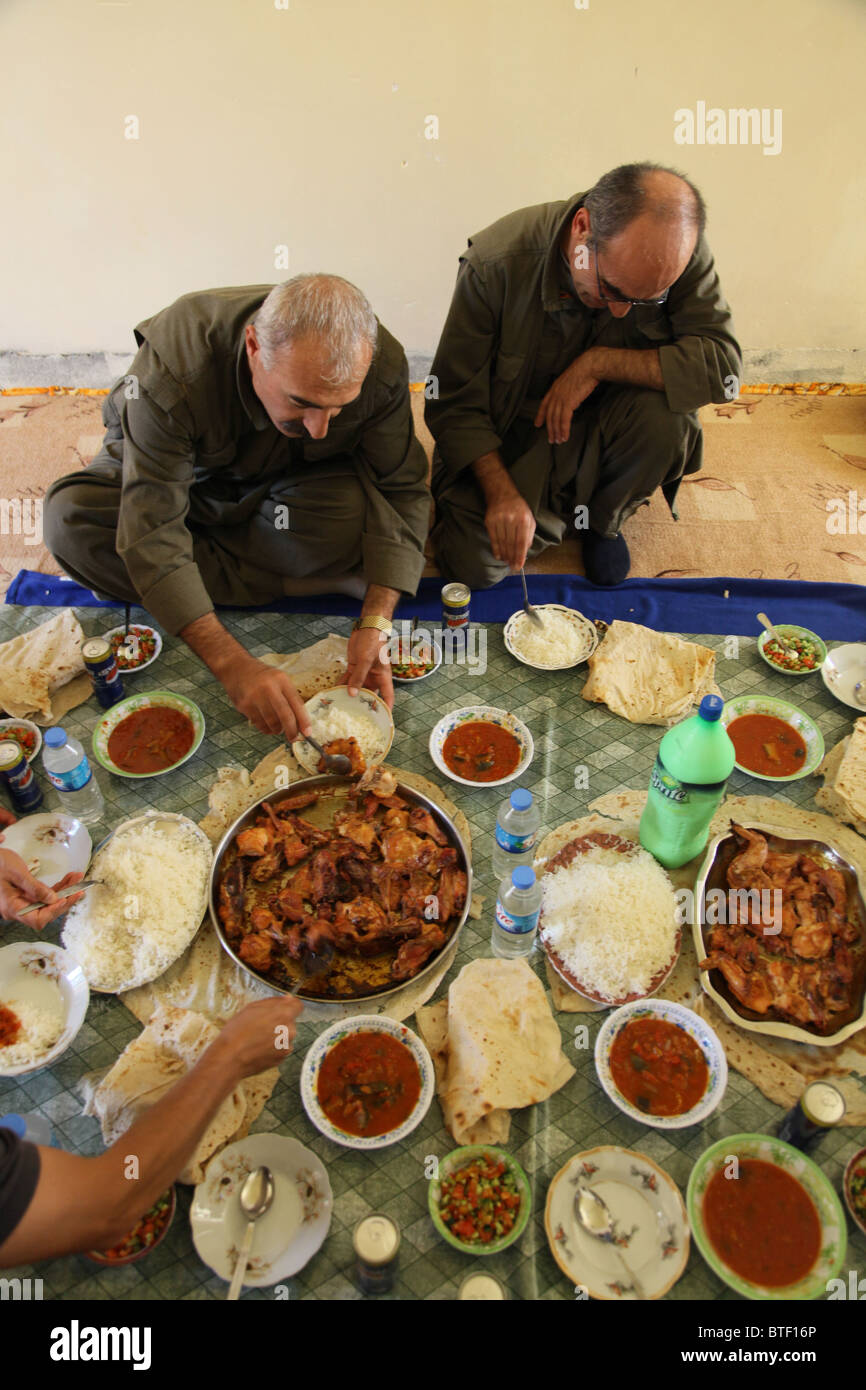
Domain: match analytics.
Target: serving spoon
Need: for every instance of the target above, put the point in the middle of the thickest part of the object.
(337, 763)
(596, 1218)
(257, 1194)
(533, 615)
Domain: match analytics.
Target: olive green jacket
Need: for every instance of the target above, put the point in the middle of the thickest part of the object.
(191, 419)
(508, 280)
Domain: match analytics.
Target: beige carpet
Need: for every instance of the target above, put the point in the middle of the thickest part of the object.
(758, 509)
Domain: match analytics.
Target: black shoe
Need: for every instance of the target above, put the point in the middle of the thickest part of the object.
(607, 562)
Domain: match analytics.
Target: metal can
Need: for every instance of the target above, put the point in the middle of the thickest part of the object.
(820, 1107)
(17, 775)
(103, 670)
(376, 1239)
(455, 605)
(482, 1286)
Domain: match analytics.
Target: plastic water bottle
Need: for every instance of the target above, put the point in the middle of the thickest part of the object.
(68, 770)
(517, 909)
(692, 767)
(517, 823)
(35, 1129)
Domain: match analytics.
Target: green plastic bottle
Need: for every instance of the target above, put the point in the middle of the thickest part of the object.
(692, 767)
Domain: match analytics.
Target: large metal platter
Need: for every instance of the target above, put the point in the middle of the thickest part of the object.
(713, 874)
(329, 783)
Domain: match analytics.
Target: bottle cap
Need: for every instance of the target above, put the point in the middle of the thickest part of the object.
(524, 877)
(55, 738)
(16, 1123)
(521, 799)
(823, 1104)
(711, 707)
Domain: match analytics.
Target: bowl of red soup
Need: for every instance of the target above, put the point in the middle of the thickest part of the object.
(772, 739)
(148, 735)
(367, 1082)
(766, 1219)
(480, 746)
(661, 1063)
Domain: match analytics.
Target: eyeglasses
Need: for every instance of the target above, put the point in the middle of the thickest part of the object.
(616, 298)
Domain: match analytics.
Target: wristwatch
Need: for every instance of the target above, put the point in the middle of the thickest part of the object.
(382, 624)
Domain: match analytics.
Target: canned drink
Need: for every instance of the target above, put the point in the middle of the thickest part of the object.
(480, 1287)
(376, 1240)
(820, 1107)
(102, 668)
(455, 605)
(17, 775)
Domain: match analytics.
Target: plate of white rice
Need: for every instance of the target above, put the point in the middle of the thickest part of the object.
(45, 992)
(335, 714)
(609, 919)
(566, 637)
(148, 904)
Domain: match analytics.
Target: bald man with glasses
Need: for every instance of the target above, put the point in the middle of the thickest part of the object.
(583, 337)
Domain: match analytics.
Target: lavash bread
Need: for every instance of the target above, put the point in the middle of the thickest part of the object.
(649, 677)
(42, 674)
(495, 1047)
(843, 794)
(152, 1063)
(315, 668)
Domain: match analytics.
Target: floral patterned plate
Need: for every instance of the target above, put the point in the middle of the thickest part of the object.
(765, 1147)
(365, 705)
(488, 714)
(289, 1233)
(649, 1223)
(780, 709)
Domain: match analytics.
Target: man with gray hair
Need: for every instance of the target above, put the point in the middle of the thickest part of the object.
(582, 338)
(261, 445)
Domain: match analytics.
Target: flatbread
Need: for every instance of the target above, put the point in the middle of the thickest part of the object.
(152, 1063)
(844, 771)
(315, 668)
(42, 674)
(649, 677)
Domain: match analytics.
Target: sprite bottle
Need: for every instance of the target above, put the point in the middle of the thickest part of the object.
(692, 767)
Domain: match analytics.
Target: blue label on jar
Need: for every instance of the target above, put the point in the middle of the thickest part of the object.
(73, 780)
(514, 844)
(510, 922)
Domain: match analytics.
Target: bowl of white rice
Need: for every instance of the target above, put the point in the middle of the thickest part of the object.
(566, 638)
(335, 714)
(43, 1002)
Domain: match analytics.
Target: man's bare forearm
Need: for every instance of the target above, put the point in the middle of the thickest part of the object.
(380, 601)
(635, 366)
(219, 651)
(493, 478)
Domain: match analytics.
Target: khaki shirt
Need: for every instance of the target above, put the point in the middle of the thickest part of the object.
(197, 424)
(508, 287)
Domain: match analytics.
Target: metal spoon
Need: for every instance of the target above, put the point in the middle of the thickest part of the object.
(860, 694)
(337, 763)
(596, 1218)
(61, 893)
(534, 616)
(257, 1194)
(783, 641)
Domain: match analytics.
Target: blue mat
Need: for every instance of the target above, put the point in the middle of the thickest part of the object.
(718, 605)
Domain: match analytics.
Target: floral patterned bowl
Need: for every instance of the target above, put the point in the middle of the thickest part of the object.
(473, 714)
(365, 705)
(697, 1029)
(780, 709)
(830, 1214)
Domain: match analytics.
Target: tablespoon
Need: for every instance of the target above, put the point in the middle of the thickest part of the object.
(783, 642)
(860, 694)
(596, 1218)
(61, 893)
(533, 615)
(257, 1194)
(337, 763)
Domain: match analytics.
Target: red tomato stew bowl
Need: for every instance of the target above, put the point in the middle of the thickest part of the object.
(145, 1235)
(661, 1063)
(148, 735)
(367, 1082)
(480, 1199)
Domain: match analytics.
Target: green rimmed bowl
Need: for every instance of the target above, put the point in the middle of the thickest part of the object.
(112, 717)
(457, 1159)
(780, 709)
(768, 1149)
(791, 630)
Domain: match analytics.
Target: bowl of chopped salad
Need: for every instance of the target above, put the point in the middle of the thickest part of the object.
(25, 733)
(145, 1235)
(136, 648)
(854, 1189)
(803, 651)
(480, 1201)
(415, 659)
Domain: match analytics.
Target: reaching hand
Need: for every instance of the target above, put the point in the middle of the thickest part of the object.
(18, 889)
(369, 665)
(268, 698)
(261, 1034)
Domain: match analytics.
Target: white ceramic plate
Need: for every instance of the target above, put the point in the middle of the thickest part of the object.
(149, 632)
(51, 844)
(844, 667)
(470, 714)
(6, 724)
(650, 1224)
(289, 1233)
(585, 630)
(365, 1023)
(697, 1029)
(365, 704)
(48, 978)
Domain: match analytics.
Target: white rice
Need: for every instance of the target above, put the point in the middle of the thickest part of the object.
(611, 918)
(558, 643)
(329, 724)
(40, 1029)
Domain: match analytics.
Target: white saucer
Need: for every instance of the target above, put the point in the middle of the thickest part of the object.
(51, 844)
(844, 667)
